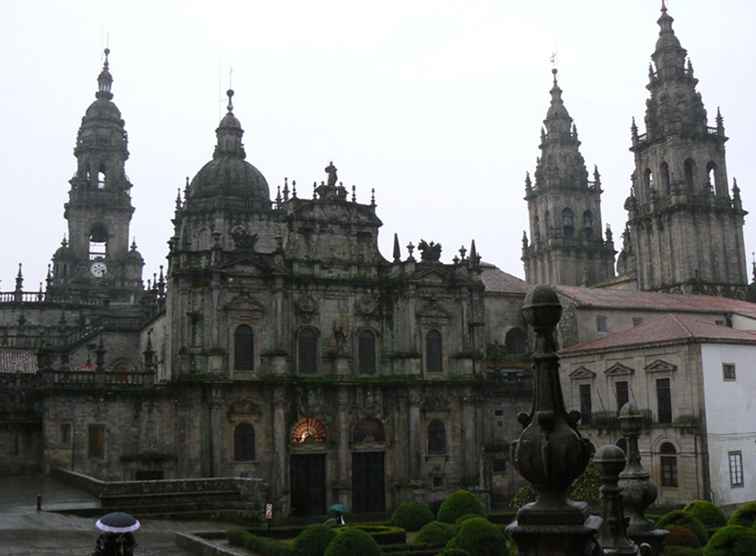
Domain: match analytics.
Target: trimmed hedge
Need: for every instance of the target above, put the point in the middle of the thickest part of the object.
(454, 552)
(461, 519)
(383, 534)
(351, 541)
(733, 540)
(745, 515)
(682, 536)
(394, 549)
(480, 537)
(436, 533)
(314, 540)
(679, 518)
(707, 513)
(458, 504)
(263, 546)
(411, 515)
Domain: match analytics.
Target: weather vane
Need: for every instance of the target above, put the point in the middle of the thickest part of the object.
(553, 59)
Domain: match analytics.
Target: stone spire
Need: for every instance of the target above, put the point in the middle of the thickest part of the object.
(105, 80)
(397, 251)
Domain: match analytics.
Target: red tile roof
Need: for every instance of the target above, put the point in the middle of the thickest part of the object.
(651, 301)
(667, 328)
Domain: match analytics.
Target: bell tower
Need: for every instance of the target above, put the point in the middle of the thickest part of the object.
(96, 258)
(564, 207)
(685, 229)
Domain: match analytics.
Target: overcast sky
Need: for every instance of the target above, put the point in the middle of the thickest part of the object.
(437, 104)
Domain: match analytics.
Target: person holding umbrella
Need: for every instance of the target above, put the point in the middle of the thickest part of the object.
(117, 537)
(338, 510)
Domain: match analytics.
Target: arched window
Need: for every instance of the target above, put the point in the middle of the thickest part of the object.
(244, 442)
(244, 348)
(711, 176)
(436, 437)
(516, 341)
(664, 176)
(366, 352)
(668, 465)
(101, 177)
(369, 429)
(568, 223)
(690, 174)
(648, 180)
(98, 241)
(308, 430)
(307, 350)
(587, 224)
(433, 352)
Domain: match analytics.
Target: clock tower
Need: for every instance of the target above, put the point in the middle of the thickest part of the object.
(96, 259)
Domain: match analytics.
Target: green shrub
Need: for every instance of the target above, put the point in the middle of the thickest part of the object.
(411, 515)
(480, 537)
(682, 551)
(733, 540)
(263, 546)
(745, 515)
(395, 549)
(464, 518)
(352, 542)
(524, 495)
(707, 513)
(679, 518)
(454, 552)
(585, 488)
(458, 504)
(383, 534)
(682, 536)
(313, 540)
(435, 533)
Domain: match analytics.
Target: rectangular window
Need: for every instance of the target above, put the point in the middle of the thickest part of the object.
(622, 393)
(65, 433)
(586, 406)
(664, 400)
(669, 471)
(736, 468)
(601, 325)
(96, 441)
(728, 372)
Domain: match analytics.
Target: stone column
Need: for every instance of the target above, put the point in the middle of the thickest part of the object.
(216, 431)
(414, 448)
(344, 487)
(280, 473)
(471, 448)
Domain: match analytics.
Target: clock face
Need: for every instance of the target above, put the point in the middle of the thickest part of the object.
(98, 269)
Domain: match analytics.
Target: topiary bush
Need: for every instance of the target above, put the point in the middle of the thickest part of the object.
(682, 536)
(707, 513)
(411, 515)
(458, 504)
(745, 515)
(352, 542)
(464, 518)
(383, 534)
(435, 533)
(313, 540)
(732, 540)
(679, 518)
(480, 537)
(454, 552)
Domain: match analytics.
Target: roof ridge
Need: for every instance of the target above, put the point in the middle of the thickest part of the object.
(682, 325)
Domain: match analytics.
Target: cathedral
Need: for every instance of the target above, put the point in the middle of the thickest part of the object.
(280, 343)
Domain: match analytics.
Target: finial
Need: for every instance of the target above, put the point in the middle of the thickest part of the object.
(462, 252)
(293, 189)
(554, 72)
(178, 198)
(372, 197)
(133, 244)
(286, 189)
(397, 251)
(574, 131)
(278, 195)
(528, 182)
(410, 249)
(354, 194)
(524, 240)
(230, 94)
(20, 272)
(105, 80)
(596, 175)
(314, 190)
(664, 7)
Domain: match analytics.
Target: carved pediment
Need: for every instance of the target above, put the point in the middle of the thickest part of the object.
(661, 366)
(242, 408)
(618, 369)
(244, 303)
(433, 310)
(582, 373)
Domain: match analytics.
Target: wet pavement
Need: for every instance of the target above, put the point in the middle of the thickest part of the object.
(26, 532)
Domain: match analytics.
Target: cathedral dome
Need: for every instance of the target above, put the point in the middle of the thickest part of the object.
(228, 173)
(103, 109)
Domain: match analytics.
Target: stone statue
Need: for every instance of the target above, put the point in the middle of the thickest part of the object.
(332, 177)
(429, 252)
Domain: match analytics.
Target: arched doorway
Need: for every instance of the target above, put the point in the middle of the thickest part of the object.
(307, 467)
(368, 472)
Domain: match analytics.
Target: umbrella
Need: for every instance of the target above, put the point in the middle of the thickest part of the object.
(337, 509)
(118, 522)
